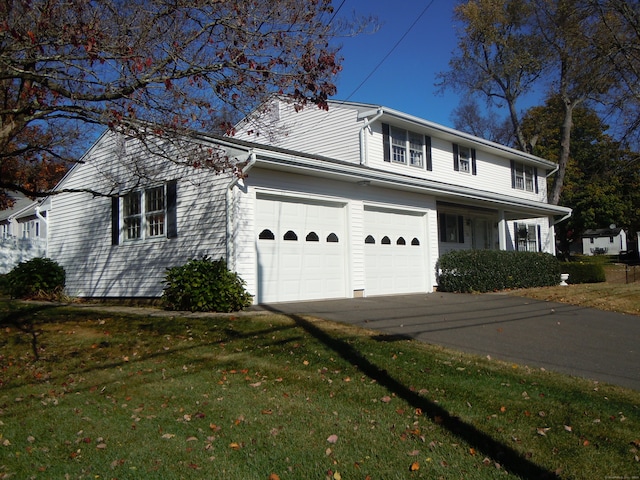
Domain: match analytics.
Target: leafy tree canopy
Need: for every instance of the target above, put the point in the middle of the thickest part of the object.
(71, 67)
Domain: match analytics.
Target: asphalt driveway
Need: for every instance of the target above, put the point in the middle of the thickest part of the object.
(594, 344)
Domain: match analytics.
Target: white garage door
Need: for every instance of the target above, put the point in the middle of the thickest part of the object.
(395, 245)
(301, 250)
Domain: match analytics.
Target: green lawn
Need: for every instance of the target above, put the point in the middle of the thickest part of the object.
(265, 396)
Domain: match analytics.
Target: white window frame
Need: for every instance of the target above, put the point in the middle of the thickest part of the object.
(464, 159)
(398, 141)
(523, 176)
(141, 217)
(407, 147)
(416, 149)
(528, 242)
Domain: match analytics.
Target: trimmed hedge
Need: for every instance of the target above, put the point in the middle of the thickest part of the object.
(583, 272)
(204, 286)
(492, 270)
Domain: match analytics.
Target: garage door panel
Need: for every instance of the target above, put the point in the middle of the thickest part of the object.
(399, 265)
(309, 267)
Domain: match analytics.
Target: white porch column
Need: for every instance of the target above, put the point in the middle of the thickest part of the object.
(502, 230)
(552, 236)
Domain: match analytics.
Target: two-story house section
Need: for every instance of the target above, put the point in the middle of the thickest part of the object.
(487, 196)
(358, 200)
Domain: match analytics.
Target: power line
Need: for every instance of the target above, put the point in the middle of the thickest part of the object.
(390, 51)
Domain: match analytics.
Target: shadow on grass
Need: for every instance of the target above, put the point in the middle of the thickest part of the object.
(506, 456)
(23, 320)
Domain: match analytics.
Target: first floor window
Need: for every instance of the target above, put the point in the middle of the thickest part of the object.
(451, 228)
(527, 237)
(148, 213)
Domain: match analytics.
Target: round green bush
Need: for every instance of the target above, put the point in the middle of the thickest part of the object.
(204, 286)
(38, 277)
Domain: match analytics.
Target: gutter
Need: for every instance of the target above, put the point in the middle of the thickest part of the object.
(46, 224)
(367, 121)
(228, 202)
(556, 168)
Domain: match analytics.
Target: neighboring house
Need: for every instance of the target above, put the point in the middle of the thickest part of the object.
(604, 241)
(23, 232)
(360, 200)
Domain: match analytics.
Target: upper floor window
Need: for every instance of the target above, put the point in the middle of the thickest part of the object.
(148, 213)
(464, 159)
(524, 177)
(405, 147)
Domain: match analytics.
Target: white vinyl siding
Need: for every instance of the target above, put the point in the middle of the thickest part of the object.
(82, 243)
(308, 130)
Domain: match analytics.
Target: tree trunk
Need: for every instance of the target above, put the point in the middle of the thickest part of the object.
(565, 150)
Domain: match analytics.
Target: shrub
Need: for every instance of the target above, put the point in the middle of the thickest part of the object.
(38, 277)
(204, 286)
(583, 272)
(492, 270)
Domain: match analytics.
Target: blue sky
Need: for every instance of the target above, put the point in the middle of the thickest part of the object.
(406, 80)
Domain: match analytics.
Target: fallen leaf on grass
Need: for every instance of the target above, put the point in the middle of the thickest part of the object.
(234, 446)
(414, 467)
(543, 431)
(101, 446)
(568, 428)
(168, 435)
(332, 439)
(273, 476)
(386, 399)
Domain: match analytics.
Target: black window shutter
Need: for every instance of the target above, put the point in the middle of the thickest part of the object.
(427, 146)
(513, 174)
(385, 142)
(443, 227)
(460, 229)
(539, 239)
(172, 220)
(474, 169)
(456, 158)
(515, 236)
(115, 220)
(535, 178)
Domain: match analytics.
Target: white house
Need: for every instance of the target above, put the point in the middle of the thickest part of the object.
(604, 241)
(358, 200)
(23, 232)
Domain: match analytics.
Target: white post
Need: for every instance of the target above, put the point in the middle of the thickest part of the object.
(502, 230)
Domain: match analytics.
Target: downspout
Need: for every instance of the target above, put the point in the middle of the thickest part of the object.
(46, 225)
(228, 200)
(367, 122)
(557, 167)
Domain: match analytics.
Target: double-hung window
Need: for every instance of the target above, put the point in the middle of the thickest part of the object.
(398, 145)
(464, 159)
(528, 237)
(405, 147)
(416, 150)
(524, 177)
(146, 214)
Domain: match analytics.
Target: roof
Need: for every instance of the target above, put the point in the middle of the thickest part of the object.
(367, 110)
(602, 232)
(22, 204)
